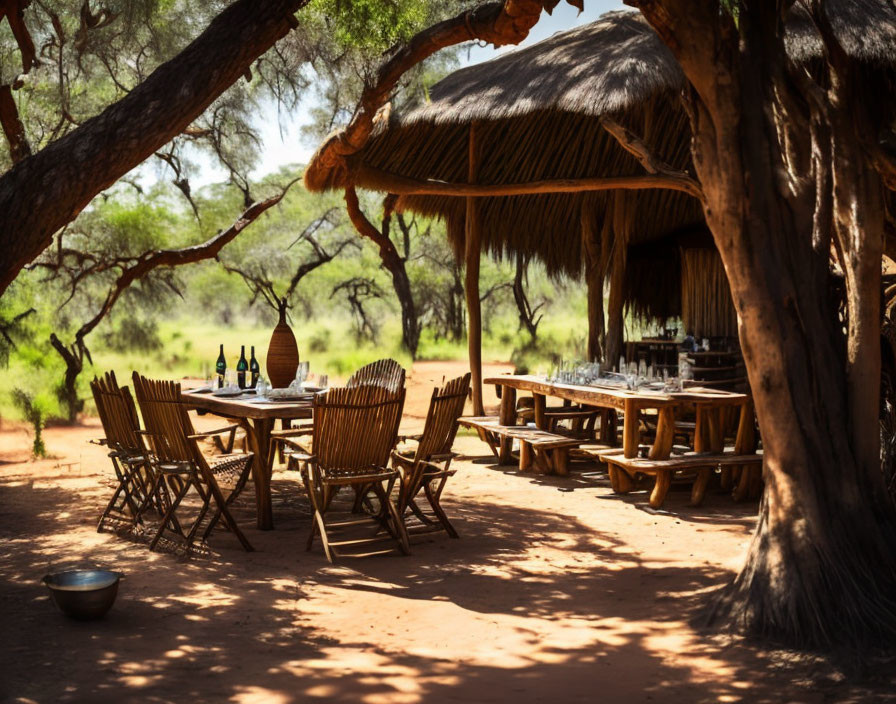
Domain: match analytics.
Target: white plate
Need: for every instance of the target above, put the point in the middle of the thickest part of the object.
(228, 393)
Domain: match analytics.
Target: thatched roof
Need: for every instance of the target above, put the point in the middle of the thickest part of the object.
(535, 111)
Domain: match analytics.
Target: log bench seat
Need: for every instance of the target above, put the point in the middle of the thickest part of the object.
(622, 470)
(546, 451)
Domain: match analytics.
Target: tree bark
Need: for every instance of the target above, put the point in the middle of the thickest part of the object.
(820, 569)
(43, 192)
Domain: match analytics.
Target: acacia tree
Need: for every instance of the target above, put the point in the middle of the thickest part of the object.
(153, 268)
(45, 190)
(791, 167)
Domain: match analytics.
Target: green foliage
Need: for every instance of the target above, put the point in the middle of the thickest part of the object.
(35, 408)
(371, 25)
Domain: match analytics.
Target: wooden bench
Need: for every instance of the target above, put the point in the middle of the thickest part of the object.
(622, 469)
(546, 451)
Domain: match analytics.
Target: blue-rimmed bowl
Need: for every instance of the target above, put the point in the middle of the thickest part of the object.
(83, 594)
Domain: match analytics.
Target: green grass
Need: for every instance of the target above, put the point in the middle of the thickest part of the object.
(189, 348)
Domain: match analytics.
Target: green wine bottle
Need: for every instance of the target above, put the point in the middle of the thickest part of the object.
(241, 368)
(221, 367)
(254, 368)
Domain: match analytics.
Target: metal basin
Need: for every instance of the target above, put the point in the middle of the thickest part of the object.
(83, 594)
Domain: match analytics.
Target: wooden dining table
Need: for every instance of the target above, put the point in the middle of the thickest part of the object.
(710, 405)
(257, 419)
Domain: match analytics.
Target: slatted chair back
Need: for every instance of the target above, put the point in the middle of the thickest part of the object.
(118, 414)
(445, 407)
(166, 419)
(355, 429)
(384, 372)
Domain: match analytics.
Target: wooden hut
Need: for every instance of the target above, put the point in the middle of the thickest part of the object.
(535, 153)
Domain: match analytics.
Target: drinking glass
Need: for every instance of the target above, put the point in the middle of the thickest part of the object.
(323, 381)
(230, 378)
(261, 387)
(301, 374)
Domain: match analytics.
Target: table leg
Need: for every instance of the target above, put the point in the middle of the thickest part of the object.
(631, 429)
(259, 434)
(507, 416)
(665, 434)
(540, 421)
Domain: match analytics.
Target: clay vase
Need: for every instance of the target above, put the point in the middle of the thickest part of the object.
(283, 353)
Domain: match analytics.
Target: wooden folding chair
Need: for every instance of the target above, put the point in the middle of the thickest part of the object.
(127, 452)
(354, 432)
(428, 467)
(180, 465)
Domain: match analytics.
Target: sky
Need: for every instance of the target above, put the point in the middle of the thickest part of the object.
(282, 135)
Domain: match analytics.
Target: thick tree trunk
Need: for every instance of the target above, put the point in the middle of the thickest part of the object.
(43, 192)
(820, 569)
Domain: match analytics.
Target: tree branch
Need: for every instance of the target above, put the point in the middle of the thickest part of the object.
(45, 191)
(502, 23)
(12, 126)
(655, 166)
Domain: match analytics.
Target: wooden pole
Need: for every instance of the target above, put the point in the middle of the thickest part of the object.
(615, 323)
(382, 180)
(472, 244)
(595, 283)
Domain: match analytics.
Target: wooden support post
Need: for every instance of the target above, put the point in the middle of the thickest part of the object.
(594, 281)
(471, 278)
(616, 322)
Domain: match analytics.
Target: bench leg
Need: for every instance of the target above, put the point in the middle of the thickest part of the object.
(661, 488)
(619, 479)
(755, 482)
(561, 461)
(698, 491)
(727, 479)
(525, 456)
(542, 462)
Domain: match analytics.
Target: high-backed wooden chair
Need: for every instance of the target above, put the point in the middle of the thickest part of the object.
(428, 466)
(181, 465)
(130, 459)
(384, 372)
(354, 431)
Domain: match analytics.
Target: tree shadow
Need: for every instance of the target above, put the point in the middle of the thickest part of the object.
(496, 615)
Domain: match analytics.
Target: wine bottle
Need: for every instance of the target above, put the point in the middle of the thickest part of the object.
(254, 368)
(221, 367)
(241, 368)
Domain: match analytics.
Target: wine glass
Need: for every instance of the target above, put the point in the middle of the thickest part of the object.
(301, 374)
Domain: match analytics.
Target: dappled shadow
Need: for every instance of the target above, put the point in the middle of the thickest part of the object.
(528, 605)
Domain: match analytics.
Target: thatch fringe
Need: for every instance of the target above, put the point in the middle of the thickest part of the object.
(706, 306)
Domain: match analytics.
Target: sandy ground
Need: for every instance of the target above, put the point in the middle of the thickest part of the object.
(556, 591)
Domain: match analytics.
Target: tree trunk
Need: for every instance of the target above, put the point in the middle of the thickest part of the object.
(820, 569)
(528, 320)
(393, 263)
(44, 192)
(67, 392)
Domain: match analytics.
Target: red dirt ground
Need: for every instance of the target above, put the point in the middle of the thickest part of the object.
(557, 591)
